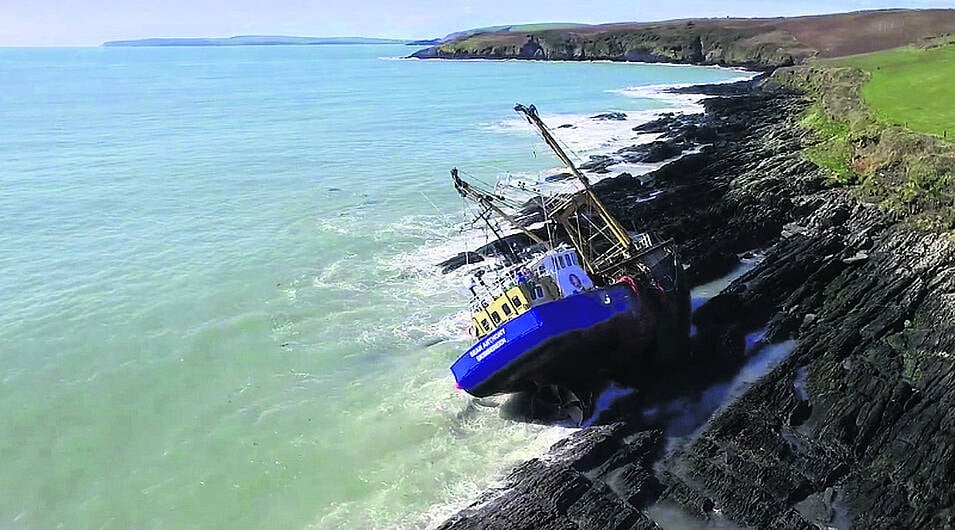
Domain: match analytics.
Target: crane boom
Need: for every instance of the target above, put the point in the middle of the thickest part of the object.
(583, 215)
(466, 190)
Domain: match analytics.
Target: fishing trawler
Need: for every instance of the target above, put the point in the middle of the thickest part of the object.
(586, 301)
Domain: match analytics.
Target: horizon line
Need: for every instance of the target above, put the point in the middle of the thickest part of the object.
(742, 17)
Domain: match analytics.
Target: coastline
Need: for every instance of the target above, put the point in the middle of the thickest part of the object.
(741, 69)
(781, 454)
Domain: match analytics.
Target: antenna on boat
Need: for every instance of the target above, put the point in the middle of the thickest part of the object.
(585, 209)
(487, 199)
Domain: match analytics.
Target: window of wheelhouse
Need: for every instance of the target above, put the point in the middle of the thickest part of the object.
(560, 260)
(496, 318)
(507, 309)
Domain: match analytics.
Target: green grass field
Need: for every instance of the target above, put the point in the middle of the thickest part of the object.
(911, 87)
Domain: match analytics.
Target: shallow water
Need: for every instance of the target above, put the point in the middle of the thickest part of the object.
(670, 516)
(219, 306)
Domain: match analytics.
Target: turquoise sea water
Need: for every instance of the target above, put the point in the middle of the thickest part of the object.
(219, 307)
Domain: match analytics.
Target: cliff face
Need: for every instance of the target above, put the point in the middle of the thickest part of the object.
(753, 43)
(704, 42)
(854, 428)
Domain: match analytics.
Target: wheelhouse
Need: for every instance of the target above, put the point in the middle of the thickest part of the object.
(554, 275)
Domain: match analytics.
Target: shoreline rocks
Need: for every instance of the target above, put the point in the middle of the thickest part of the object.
(853, 428)
(596, 478)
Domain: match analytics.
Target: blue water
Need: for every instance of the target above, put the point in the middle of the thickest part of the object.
(219, 307)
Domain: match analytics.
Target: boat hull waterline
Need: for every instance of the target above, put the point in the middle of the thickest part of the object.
(523, 352)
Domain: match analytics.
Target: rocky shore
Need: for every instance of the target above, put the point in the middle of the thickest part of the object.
(853, 428)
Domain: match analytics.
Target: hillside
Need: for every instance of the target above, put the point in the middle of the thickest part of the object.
(755, 43)
(517, 28)
(883, 125)
(912, 87)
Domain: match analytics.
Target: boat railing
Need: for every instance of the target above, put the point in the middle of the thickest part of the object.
(486, 293)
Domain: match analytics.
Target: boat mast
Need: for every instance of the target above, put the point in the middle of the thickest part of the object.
(602, 227)
(486, 199)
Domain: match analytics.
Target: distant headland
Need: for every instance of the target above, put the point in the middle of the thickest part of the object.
(262, 40)
(744, 42)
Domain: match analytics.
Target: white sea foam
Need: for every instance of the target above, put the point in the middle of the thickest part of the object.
(585, 135)
(464, 493)
(685, 103)
(468, 438)
(681, 103)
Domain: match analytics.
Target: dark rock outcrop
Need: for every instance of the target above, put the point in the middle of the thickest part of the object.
(559, 177)
(663, 124)
(874, 341)
(678, 134)
(737, 88)
(597, 478)
(614, 116)
(657, 152)
(460, 260)
(854, 428)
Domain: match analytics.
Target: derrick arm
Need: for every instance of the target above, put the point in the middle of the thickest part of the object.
(486, 199)
(611, 230)
(534, 119)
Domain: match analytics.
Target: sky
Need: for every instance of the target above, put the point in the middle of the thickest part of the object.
(91, 22)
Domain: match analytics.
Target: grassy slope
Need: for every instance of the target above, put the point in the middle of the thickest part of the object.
(911, 87)
(545, 26)
(869, 121)
(833, 151)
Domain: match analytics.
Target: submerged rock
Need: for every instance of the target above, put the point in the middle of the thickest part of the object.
(559, 177)
(614, 116)
(598, 162)
(462, 259)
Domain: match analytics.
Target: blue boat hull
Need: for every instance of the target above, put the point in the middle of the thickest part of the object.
(557, 343)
